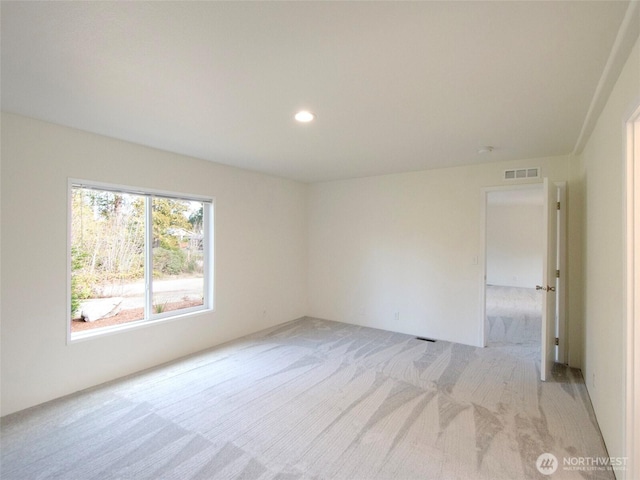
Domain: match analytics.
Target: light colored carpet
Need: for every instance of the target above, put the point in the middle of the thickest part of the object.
(514, 317)
(313, 399)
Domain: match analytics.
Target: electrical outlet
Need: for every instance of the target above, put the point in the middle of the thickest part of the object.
(397, 316)
(593, 379)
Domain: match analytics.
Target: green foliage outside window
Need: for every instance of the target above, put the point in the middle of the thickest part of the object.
(108, 240)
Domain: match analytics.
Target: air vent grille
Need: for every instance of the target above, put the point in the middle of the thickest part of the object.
(520, 173)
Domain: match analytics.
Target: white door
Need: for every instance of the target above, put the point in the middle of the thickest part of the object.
(548, 287)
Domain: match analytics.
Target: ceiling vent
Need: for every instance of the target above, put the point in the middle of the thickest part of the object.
(520, 173)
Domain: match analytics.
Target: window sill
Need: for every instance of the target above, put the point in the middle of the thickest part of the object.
(105, 331)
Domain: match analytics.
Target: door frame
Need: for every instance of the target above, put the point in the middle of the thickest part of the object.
(632, 295)
(562, 351)
(482, 339)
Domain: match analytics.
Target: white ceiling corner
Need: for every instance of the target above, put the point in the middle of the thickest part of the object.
(625, 39)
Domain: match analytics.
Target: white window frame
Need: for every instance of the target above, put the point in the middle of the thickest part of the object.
(151, 318)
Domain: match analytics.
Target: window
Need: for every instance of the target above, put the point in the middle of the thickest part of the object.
(136, 256)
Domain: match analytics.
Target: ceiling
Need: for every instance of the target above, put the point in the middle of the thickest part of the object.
(396, 86)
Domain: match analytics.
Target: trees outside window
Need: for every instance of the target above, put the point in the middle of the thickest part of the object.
(136, 256)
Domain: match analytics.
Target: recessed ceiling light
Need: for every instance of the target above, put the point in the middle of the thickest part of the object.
(486, 149)
(304, 116)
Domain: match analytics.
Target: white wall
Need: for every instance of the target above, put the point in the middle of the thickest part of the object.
(260, 243)
(600, 172)
(405, 243)
(514, 245)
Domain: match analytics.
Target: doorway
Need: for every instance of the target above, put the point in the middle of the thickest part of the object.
(533, 260)
(514, 259)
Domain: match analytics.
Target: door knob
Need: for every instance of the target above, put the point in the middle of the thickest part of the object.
(546, 289)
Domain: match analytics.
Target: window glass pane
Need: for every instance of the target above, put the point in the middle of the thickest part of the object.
(178, 254)
(107, 258)
(114, 234)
